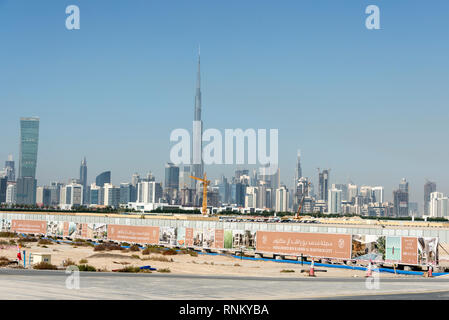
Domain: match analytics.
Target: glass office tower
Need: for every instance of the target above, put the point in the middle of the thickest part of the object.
(29, 139)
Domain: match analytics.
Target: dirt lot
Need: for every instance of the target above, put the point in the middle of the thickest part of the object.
(202, 264)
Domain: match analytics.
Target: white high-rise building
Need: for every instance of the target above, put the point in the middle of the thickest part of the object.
(282, 197)
(438, 205)
(111, 195)
(11, 191)
(149, 192)
(334, 201)
(251, 197)
(71, 195)
(378, 194)
(353, 191)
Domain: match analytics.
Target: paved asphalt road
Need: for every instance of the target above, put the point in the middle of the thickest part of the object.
(36, 284)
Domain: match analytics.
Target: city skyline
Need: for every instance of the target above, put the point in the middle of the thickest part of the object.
(315, 103)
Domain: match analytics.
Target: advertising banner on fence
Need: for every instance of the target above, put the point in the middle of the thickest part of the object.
(322, 245)
(137, 234)
(29, 226)
(368, 248)
(55, 228)
(393, 249)
(5, 225)
(219, 239)
(181, 236)
(409, 250)
(189, 237)
(428, 251)
(97, 231)
(167, 236)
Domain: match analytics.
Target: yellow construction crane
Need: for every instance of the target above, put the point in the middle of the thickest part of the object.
(205, 185)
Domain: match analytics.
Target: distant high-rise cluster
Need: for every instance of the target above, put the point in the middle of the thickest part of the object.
(247, 191)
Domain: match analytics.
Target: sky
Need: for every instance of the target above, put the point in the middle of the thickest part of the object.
(372, 105)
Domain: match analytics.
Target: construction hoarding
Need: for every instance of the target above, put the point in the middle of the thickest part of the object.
(219, 239)
(29, 226)
(134, 234)
(97, 231)
(167, 236)
(55, 228)
(322, 245)
(390, 249)
(368, 248)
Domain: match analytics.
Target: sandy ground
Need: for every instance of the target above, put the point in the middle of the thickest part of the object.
(203, 264)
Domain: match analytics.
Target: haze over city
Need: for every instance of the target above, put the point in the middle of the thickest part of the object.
(370, 106)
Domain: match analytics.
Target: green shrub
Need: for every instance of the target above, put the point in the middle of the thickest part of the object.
(287, 270)
(164, 270)
(135, 256)
(83, 261)
(44, 266)
(86, 267)
(129, 269)
(134, 248)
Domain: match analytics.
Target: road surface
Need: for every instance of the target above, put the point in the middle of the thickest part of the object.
(37, 284)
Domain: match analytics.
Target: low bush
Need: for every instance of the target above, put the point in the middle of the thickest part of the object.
(135, 256)
(86, 267)
(237, 265)
(169, 252)
(134, 248)
(191, 252)
(83, 261)
(107, 247)
(157, 258)
(164, 270)
(68, 262)
(152, 249)
(12, 241)
(4, 261)
(287, 270)
(7, 234)
(129, 269)
(44, 241)
(45, 266)
(27, 239)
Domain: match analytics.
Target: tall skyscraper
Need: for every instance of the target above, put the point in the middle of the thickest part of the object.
(429, 187)
(197, 146)
(103, 178)
(83, 179)
(323, 182)
(171, 176)
(378, 194)
(400, 203)
(10, 169)
(334, 202)
(298, 170)
(3, 188)
(29, 140)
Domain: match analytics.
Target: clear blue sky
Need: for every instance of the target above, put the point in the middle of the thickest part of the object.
(371, 105)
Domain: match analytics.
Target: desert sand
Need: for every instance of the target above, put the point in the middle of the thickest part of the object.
(203, 264)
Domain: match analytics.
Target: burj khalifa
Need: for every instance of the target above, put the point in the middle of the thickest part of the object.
(197, 145)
